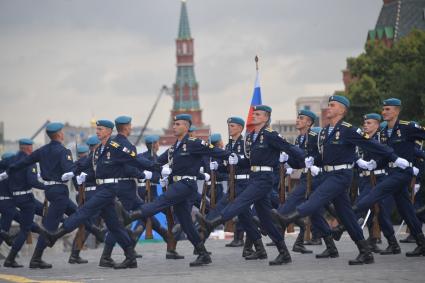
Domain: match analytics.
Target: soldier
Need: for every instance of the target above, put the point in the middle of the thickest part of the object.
(7, 205)
(263, 148)
(184, 159)
(308, 142)
(108, 163)
(400, 136)
(337, 146)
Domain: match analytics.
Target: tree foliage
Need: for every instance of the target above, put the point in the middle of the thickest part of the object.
(382, 72)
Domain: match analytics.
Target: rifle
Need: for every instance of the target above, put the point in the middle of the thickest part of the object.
(376, 230)
(290, 228)
(171, 243)
(412, 195)
(203, 206)
(213, 189)
(231, 189)
(81, 233)
(282, 185)
(148, 199)
(307, 234)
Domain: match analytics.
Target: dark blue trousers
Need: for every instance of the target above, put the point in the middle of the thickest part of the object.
(334, 188)
(396, 184)
(7, 211)
(297, 197)
(180, 195)
(258, 193)
(385, 205)
(103, 201)
(245, 218)
(26, 205)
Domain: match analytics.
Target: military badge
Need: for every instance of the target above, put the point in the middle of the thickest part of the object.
(108, 155)
(337, 135)
(398, 133)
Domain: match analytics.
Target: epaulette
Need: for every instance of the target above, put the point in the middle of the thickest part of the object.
(402, 122)
(269, 129)
(418, 142)
(192, 139)
(128, 151)
(362, 133)
(348, 125)
(114, 144)
(311, 133)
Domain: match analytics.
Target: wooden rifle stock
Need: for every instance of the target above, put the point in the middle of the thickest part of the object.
(81, 233)
(148, 198)
(376, 230)
(282, 185)
(213, 189)
(307, 234)
(171, 243)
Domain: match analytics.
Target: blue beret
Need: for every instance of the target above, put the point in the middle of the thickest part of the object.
(25, 141)
(341, 99)
(236, 120)
(7, 154)
(54, 127)
(307, 113)
(383, 124)
(316, 129)
(123, 120)
(185, 117)
(263, 108)
(82, 148)
(374, 116)
(151, 138)
(214, 138)
(192, 129)
(93, 140)
(105, 123)
(392, 102)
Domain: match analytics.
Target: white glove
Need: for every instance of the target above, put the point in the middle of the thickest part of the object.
(207, 177)
(163, 182)
(362, 164)
(166, 171)
(401, 162)
(415, 171)
(67, 176)
(309, 161)
(283, 157)
(81, 178)
(371, 165)
(233, 159)
(148, 174)
(314, 170)
(416, 188)
(289, 171)
(3, 176)
(213, 165)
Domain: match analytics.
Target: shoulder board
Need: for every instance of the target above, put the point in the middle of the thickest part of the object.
(402, 122)
(192, 139)
(363, 134)
(348, 125)
(418, 142)
(268, 129)
(114, 144)
(311, 133)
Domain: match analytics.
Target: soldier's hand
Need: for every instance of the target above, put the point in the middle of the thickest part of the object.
(415, 171)
(3, 176)
(371, 165)
(401, 163)
(67, 176)
(81, 178)
(289, 170)
(362, 164)
(148, 174)
(233, 159)
(163, 182)
(166, 171)
(314, 170)
(283, 157)
(309, 161)
(213, 165)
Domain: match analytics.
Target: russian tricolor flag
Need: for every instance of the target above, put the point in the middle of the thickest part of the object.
(256, 100)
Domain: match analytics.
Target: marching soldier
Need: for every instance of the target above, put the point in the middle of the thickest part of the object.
(337, 144)
(400, 136)
(7, 205)
(263, 148)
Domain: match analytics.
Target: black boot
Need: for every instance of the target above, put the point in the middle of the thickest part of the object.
(129, 261)
(51, 238)
(203, 256)
(106, 259)
(173, 254)
(237, 240)
(373, 245)
(75, 258)
(285, 220)
(271, 244)
(247, 247)
(299, 245)
(260, 227)
(313, 242)
(337, 232)
(10, 260)
(260, 251)
(209, 225)
(98, 233)
(331, 251)
(365, 256)
(409, 239)
(283, 257)
(393, 247)
(8, 239)
(37, 262)
(420, 249)
(130, 217)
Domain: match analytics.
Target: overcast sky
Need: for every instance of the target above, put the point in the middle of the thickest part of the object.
(75, 60)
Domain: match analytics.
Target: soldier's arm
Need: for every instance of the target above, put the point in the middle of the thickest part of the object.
(163, 158)
(66, 161)
(130, 157)
(198, 146)
(296, 155)
(32, 178)
(33, 158)
(416, 131)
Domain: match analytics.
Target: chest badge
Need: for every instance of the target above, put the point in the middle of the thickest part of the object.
(239, 148)
(184, 147)
(108, 155)
(337, 135)
(398, 133)
(261, 139)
